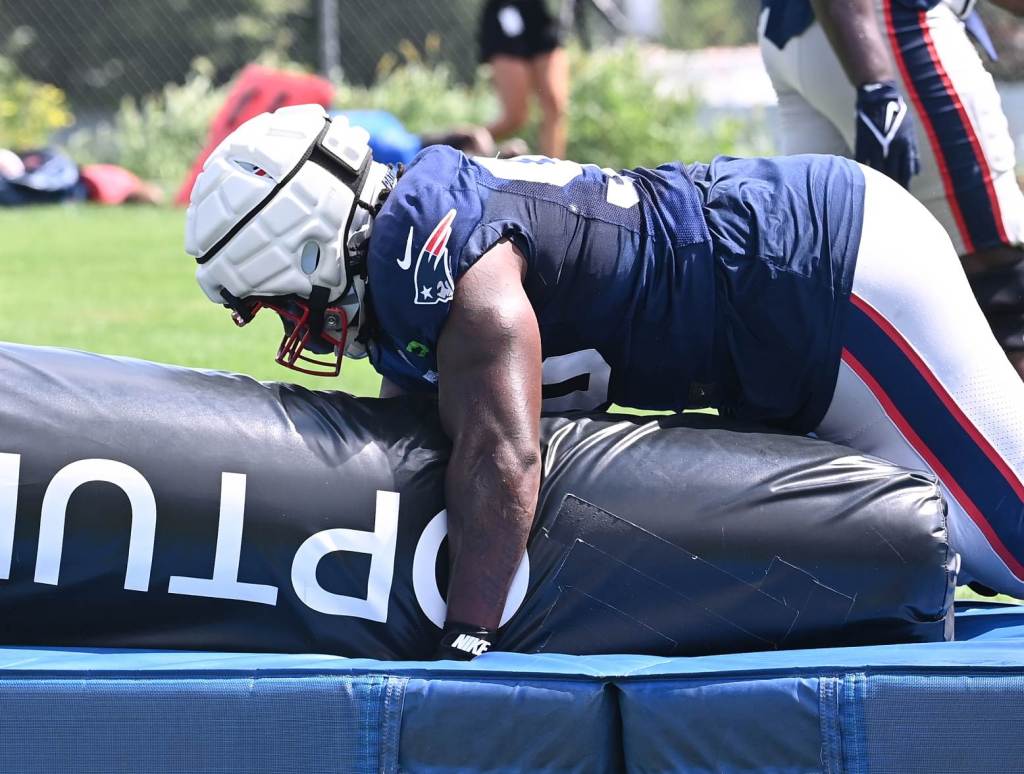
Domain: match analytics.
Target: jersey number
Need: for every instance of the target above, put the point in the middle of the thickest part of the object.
(619, 190)
(577, 381)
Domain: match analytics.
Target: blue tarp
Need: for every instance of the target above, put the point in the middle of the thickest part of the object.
(390, 141)
(881, 708)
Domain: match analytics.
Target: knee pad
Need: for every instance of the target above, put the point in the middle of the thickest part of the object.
(1000, 294)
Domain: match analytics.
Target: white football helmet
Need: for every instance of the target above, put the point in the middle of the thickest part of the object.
(279, 218)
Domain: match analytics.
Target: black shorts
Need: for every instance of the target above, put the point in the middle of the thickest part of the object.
(519, 28)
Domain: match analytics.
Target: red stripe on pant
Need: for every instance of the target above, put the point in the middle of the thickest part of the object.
(939, 469)
(933, 138)
(947, 400)
(921, 447)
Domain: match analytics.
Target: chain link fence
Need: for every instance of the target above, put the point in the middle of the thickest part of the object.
(99, 51)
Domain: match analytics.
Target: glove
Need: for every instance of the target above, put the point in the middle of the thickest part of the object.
(885, 132)
(461, 642)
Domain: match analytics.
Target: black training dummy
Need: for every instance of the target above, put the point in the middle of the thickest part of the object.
(151, 506)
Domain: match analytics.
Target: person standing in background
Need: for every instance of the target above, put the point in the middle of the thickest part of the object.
(884, 81)
(522, 42)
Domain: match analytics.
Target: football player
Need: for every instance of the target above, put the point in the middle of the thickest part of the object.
(855, 77)
(784, 291)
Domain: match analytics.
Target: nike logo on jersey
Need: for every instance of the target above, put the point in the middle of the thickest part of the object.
(405, 263)
(467, 643)
(432, 278)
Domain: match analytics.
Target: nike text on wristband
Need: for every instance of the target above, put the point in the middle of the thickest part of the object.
(461, 641)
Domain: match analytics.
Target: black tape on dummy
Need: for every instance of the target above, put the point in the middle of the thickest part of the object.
(151, 506)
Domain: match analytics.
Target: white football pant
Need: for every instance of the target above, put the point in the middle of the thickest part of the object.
(924, 384)
(967, 178)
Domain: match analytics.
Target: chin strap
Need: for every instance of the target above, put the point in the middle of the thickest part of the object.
(357, 249)
(318, 300)
(365, 323)
(242, 310)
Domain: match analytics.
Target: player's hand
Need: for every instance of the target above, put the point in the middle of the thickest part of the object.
(885, 132)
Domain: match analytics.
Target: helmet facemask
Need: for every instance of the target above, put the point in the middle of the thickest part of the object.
(318, 354)
(299, 246)
(317, 332)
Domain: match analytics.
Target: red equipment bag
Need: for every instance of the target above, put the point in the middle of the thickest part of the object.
(257, 90)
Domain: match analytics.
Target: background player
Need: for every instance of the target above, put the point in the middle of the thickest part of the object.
(853, 76)
(522, 42)
(783, 291)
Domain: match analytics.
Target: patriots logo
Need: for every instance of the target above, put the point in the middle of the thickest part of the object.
(433, 274)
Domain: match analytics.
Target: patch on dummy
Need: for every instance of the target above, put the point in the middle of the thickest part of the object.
(643, 592)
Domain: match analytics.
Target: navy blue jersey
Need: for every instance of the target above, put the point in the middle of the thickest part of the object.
(785, 234)
(624, 265)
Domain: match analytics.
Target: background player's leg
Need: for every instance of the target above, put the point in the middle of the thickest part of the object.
(924, 384)
(512, 83)
(804, 130)
(551, 80)
(804, 126)
(968, 165)
(808, 68)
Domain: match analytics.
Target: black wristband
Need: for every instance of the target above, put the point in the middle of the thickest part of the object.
(462, 642)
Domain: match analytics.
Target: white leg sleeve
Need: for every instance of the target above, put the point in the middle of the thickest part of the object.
(924, 384)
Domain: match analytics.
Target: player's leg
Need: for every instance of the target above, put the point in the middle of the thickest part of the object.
(808, 69)
(968, 177)
(802, 129)
(504, 45)
(924, 384)
(968, 164)
(551, 81)
(512, 77)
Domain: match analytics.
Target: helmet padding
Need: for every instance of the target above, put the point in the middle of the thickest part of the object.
(283, 207)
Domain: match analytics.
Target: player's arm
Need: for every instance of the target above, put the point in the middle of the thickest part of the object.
(489, 362)
(853, 31)
(885, 132)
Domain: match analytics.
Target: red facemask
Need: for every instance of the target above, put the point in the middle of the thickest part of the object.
(302, 349)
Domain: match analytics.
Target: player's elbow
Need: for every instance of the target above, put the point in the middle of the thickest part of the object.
(513, 461)
(521, 460)
(517, 467)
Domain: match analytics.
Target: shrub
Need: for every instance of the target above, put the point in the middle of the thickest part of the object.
(158, 136)
(620, 118)
(29, 111)
(422, 91)
(617, 116)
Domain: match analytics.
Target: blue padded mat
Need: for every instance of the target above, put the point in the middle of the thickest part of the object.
(928, 707)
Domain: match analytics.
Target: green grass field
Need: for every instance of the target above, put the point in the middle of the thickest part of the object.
(117, 281)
